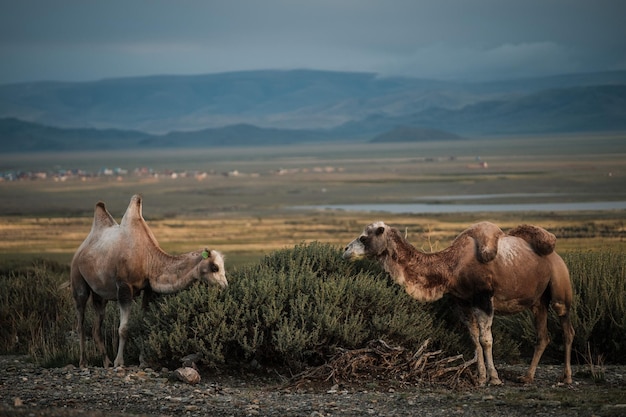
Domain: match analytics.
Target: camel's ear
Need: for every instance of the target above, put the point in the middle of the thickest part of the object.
(380, 231)
(205, 253)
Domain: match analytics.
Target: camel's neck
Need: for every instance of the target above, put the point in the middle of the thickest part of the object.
(169, 274)
(424, 276)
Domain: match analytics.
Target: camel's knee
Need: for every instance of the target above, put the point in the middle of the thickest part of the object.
(560, 308)
(123, 332)
(543, 338)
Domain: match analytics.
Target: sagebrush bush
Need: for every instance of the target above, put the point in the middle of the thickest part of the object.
(292, 309)
(296, 307)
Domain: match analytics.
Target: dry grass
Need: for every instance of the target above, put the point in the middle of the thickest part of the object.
(244, 238)
(250, 215)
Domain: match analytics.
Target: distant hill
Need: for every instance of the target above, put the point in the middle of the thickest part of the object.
(575, 109)
(414, 134)
(20, 136)
(285, 107)
(298, 99)
(235, 135)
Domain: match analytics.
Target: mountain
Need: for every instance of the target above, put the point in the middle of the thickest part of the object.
(298, 99)
(234, 135)
(576, 109)
(19, 136)
(284, 107)
(414, 134)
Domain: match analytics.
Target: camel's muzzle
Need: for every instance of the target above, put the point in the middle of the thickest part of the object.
(355, 250)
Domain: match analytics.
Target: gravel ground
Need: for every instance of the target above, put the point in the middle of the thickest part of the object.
(29, 390)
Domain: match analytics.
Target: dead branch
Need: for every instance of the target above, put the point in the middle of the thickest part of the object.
(380, 361)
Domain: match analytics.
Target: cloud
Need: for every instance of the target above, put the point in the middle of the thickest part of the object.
(499, 62)
(78, 40)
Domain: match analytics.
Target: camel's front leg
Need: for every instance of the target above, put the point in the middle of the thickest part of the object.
(80, 292)
(472, 325)
(99, 304)
(124, 298)
(485, 322)
(80, 329)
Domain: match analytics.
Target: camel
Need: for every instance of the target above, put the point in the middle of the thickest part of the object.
(120, 261)
(485, 271)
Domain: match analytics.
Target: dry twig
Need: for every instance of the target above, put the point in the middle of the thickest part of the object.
(381, 361)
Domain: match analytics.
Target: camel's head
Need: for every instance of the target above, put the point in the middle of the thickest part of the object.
(211, 268)
(370, 243)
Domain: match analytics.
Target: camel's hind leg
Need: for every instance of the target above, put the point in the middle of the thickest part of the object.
(562, 295)
(99, 305)
(540, 313)
(568, 339)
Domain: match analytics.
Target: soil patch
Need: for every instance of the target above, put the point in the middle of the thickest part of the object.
(30, 390)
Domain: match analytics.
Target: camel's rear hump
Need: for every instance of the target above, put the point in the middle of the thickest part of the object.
(542, 241)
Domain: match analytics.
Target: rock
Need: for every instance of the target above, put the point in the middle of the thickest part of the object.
(188, 375)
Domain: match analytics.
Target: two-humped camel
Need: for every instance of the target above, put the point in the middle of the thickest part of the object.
(118, 262)
(485, 271)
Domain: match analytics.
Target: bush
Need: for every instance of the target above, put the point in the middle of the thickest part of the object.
(295, 308)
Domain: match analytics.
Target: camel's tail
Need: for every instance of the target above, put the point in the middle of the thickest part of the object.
(542, 241)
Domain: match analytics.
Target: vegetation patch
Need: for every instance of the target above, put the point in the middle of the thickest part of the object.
(300, 308)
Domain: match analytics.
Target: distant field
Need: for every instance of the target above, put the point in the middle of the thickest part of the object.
(240, 200)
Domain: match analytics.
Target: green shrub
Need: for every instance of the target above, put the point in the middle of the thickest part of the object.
(296, 307)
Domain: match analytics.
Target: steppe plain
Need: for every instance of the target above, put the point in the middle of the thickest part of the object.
(242, 202)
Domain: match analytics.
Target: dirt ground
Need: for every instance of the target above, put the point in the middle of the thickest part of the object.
(29, 390)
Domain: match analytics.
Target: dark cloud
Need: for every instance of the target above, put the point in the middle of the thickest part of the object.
(81, 40)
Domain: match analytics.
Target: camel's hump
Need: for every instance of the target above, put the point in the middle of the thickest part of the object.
(542, 241)
(101, 217)
(133, 212)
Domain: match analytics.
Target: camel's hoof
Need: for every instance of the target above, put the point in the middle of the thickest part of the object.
(495, 382)
(525, 379)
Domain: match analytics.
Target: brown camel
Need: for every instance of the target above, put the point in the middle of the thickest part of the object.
(118, 262)
(484, 271)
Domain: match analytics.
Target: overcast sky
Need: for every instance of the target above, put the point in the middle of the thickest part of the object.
(78, 40)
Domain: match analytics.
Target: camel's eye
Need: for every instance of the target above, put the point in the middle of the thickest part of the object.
(363, 239)
(214, 268)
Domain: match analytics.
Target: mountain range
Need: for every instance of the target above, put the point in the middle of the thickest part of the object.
(277, 107)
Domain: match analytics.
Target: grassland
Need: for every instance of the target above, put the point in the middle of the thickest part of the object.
(243, 205)
(251, 214)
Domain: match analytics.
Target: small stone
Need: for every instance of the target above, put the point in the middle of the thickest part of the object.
(17, 402)
(187, 375)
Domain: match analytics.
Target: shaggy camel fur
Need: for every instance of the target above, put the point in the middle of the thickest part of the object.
(484, 271)
(118, 262)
